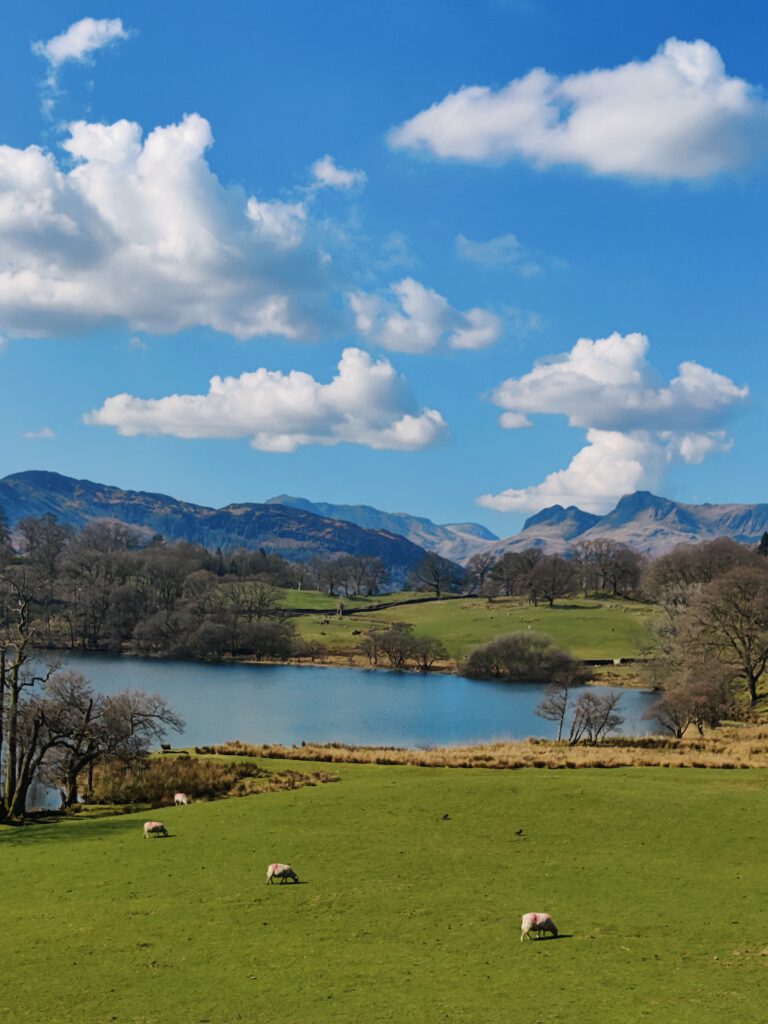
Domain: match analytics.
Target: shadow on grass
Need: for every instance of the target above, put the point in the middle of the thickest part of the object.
(56, 829)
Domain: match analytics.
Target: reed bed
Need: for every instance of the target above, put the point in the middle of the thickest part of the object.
(730, 746)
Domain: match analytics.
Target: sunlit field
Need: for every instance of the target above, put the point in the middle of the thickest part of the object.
(413, 881)
(586, 628)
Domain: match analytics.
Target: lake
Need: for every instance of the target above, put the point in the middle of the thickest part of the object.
(291, 703)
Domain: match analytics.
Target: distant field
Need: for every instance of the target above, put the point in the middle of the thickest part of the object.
(402, 915)
(588, 629)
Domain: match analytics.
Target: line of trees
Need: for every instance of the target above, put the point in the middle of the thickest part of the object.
(596, 566)
(106, 587)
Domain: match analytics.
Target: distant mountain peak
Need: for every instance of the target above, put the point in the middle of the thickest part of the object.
(456, 541)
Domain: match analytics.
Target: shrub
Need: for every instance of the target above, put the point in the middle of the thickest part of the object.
(523, 657)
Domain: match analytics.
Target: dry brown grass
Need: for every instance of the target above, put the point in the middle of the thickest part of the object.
(730, 746)
(201, 778)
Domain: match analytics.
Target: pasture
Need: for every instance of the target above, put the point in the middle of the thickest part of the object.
(656, 879)
(586, 628)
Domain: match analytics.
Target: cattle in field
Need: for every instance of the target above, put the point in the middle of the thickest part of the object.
(281, 871)
(537, 922)
(154, 828)
(182, 799)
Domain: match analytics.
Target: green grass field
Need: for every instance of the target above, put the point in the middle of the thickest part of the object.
(655, 877)
(587, 629)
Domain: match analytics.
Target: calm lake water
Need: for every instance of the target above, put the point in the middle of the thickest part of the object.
(288, 703)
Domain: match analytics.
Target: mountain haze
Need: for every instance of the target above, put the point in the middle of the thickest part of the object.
(455, 541)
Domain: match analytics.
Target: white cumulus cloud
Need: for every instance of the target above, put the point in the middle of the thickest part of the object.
(635, 426)
(366, 403)
(139, 231)
(327, 174)
(677, 115)
(414, 318)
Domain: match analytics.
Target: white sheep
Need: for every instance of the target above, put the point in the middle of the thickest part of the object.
(281, 871)
(154, 828)
(537, 922)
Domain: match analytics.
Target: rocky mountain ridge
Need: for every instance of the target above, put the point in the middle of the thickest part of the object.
(643, 521)
(298, 529)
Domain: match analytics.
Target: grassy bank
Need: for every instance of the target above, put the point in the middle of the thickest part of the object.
(656, 879)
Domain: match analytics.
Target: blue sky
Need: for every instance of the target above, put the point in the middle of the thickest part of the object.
(459, 259)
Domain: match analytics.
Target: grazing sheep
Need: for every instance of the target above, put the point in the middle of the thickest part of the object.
(281, 871)
(154, 828)
(181, 799)
(537, 923)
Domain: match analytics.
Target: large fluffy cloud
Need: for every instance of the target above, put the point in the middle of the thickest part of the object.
(635, 427)
(366, 403)
(139, 231)
(676, 115)
(416, 319)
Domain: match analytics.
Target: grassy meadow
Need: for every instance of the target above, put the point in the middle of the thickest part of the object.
(656, 878)
(586, 628)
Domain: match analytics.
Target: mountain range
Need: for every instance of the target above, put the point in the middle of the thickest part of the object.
(455, 541)
(643, 521)
(298, 529)
(294, 533)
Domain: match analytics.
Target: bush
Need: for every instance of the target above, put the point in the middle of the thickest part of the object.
(523, 658)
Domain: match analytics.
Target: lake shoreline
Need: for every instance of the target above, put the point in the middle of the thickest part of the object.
(625, 676)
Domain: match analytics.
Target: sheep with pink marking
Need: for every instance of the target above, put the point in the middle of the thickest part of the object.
(537, 922)
(154, 828)
(182, 799)
(281, 871)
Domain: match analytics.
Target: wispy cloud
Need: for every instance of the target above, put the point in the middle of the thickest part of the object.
(635, 428)
(501, 251)
(677, 115)
(43, 434)
(366, 403)
(78, 44)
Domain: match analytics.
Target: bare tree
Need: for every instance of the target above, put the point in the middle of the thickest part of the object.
(554, 706)
(479, 568)
(729, 619)
(436, 574)
(595, 715)
(553, 577)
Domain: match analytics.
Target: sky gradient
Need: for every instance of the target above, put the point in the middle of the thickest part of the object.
(464, 260)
